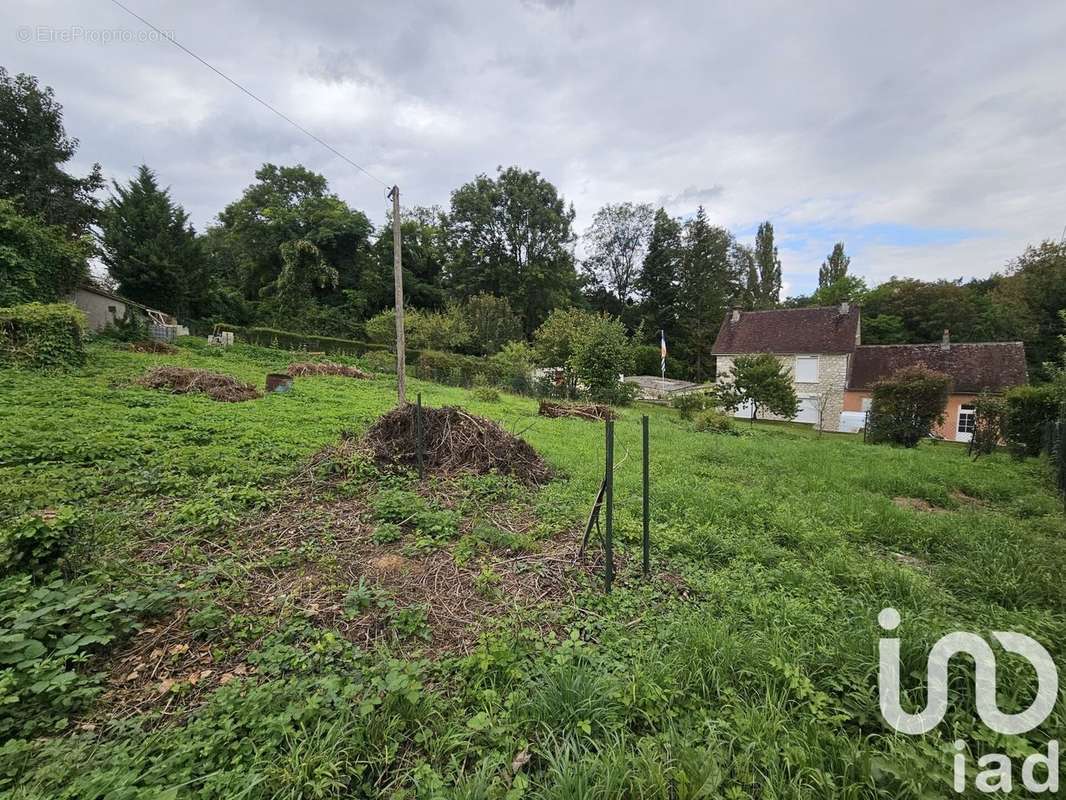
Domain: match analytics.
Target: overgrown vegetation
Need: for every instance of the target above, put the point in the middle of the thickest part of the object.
(906, 405)
(244, 604)
(42, 336)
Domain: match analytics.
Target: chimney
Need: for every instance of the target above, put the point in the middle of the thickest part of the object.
(736, 315)
(845, 307)
(945, 343)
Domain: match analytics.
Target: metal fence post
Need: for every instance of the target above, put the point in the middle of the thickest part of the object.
(647, 500)
(608, 544)
(419, 447)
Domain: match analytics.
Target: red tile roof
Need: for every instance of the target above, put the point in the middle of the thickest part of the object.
(995, 366)
(789, 330)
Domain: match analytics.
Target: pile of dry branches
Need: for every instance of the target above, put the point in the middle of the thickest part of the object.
(182, 380)
(152, 346)
(311, 368)
(593, 411)
(454, 441)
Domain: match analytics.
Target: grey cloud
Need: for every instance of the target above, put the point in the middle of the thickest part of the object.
(810, 116)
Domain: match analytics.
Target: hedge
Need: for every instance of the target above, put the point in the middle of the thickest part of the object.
(1029, 409)
(42, 335)
(291, 340)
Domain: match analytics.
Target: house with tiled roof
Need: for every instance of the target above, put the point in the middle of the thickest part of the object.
(833, 372)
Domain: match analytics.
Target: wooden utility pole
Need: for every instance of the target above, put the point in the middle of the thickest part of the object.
(397, 278)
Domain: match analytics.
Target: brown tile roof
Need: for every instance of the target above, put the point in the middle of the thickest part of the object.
(789, 330)
(995, 366)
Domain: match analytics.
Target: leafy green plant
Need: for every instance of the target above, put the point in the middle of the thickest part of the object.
(46, 632)
(35, 542)
(365, 597)
(411, 622)
(689, 404)
(387, 532)
(42, 336)
(1029, 410)
(714, 421)
(907, 405)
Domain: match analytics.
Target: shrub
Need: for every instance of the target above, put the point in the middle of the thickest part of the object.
(133, 327)
(601, 353)
(1029, 409)
(907, 405)
(689, 404)
(485, 392)
(452, 368)
(990, 413)
(513, 366)
(43, 336)
(491, 322)
(380, 361)
(714, 421)
(35, 542)
(430, 330)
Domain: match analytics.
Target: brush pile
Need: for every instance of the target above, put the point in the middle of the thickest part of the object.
(590, 411)
(453, 441)
(182, 380)
(312, 368)
(152, 346)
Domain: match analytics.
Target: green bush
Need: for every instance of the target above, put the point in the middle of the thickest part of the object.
(451, 368)
(1029, 409)
(484, 392)
(513, 366)
(907, 405)
(714, 421)
(35, 542)
(990, 414)
(42, 336)
(380, 361)
(689, 404)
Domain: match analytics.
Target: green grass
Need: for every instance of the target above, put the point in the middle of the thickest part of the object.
(756, 678)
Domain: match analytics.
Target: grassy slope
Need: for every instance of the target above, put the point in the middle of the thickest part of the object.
(762, 685)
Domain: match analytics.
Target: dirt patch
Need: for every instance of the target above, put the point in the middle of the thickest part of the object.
(589, 411)
(164, 668)
(183, 380)
(917, 504)
(453, 442)
(152, 346)
(312, 368)
(967, 501)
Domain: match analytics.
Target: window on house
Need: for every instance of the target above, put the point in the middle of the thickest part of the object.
(867, 403)
(967, 419)
(806, 369)
(112, 311)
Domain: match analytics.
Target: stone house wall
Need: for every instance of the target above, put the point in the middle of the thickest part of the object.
(832, 379)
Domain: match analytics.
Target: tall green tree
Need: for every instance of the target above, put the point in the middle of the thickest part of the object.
(492, 323)
(511, 236)
(769, 268)
(34, 146)
(1032, 293)
(423, 264)
(149, 247)
(709, 283)
(658, 281)
(835, 266)
(288, 204)
(615, 244)
(38, 262)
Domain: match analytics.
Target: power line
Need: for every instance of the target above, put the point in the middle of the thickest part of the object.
(252, 95)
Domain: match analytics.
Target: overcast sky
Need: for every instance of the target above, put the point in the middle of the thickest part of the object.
(929, 137)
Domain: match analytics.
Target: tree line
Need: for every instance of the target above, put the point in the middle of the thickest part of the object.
(290, 254)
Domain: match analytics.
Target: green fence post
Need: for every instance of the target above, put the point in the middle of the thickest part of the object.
(647, 501)
(418, 438)
(608, 549)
